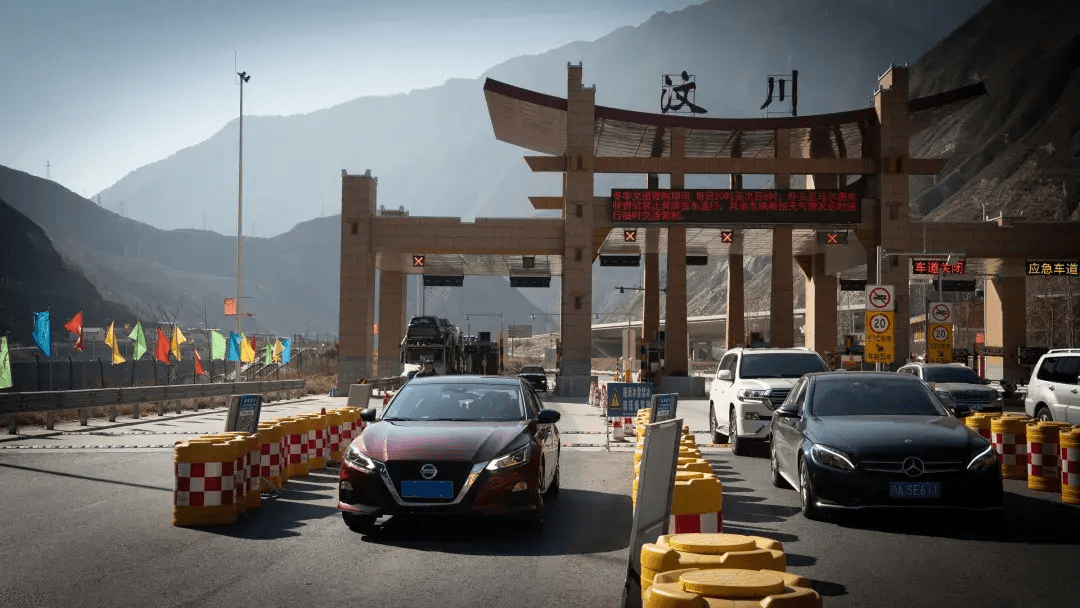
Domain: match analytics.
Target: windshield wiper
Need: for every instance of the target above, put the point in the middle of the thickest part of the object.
(394, 418)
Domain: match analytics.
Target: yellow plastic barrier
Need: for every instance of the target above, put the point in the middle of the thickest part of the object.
(203, 492)
(1044, 468)
(981, 423)
(334, 420)
(1008, 434)
(697, 504)
(237, 442)
(1070, 465)
(253, 466)
(271, 473)
(296, 441)
(315, 424)
(709, 552)
(691, 588)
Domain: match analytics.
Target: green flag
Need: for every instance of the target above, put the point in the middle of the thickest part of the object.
(5, 364)
(217, 345)
(269, 354)
(139, 339)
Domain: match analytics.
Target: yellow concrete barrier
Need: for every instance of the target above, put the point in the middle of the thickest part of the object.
(708, 552)
(738, 588)
(203, 492)
(1044, 467)
(1070, 465)
(1008, 434)
(271, 472)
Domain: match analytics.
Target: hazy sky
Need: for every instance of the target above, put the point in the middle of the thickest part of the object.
(98, 88)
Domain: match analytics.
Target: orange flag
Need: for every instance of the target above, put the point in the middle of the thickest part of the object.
(75, 326)
(161, 349)
(198, 363)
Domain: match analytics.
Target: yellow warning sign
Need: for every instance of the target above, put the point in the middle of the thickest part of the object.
(880, 345)
(939, 345)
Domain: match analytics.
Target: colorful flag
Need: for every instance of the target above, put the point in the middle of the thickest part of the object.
(161, 349)
(5, 364)
(110, 339)
(198, 363)
(217, 346)
(139, 338)
(234, 347)
(177, 339)
(42, 336)
(286, 350)
(75, 326)
(269, 354)
(247, 349)
(277, 350)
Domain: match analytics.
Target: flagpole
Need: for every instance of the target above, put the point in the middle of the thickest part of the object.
(244, 77)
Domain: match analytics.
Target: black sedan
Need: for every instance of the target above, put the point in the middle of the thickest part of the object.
(856, 440)
(536, 376)
(453, 444)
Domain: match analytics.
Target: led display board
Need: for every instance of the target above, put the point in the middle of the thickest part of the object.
(726, 206)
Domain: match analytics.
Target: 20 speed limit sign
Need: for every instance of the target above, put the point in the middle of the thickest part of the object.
(879, 323)
(941, 333)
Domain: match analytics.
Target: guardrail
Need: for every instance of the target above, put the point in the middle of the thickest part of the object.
(12, 404)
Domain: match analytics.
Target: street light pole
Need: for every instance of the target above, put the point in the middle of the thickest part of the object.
(244, 77)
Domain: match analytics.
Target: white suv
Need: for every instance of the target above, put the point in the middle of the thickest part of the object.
(1053, 392)
(749, 384)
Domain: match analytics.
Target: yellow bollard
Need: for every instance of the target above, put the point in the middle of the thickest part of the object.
(1069, 440)
(334, 421)
(296, 441)
(1044, 468)
(733, 588)
(316, 429)
(203, 491)
(1008, 434)
(270, 469)
(709, 552)
(981, 423)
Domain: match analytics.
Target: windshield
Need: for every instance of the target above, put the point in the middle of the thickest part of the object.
(952, 373)
(780, 365)
(456, 401)
(531, 369)
(856, 396)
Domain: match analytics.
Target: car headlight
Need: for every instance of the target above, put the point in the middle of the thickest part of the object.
(945, 395)
(514, 459)
(831, 458)
(747, 394)
(987, 459)
(360, 460)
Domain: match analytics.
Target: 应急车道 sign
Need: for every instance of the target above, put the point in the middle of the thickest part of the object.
(630, 205)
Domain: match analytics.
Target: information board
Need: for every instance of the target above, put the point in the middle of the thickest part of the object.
(726, 206)
(626, 398)
(939, 343)
(244, 414)
(663, 406)
(880, 329)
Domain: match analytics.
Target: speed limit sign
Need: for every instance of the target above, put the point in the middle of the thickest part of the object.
(879, 323)
(941, 333)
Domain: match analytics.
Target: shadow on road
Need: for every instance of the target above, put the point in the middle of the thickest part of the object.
(577, 522)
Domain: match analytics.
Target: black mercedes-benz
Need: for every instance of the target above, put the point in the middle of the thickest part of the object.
(855, 440)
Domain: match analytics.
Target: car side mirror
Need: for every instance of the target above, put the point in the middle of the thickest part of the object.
(961, 411)
(547, 416)
(724, 374)
(368, 415)
(785, 413)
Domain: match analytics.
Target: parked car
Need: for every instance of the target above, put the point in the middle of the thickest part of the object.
(1053, 392)
(859, 440)
(453, 444)
(536, 376)
(956, 383)
(737, 412)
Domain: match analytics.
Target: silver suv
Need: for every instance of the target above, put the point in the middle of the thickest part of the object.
(956, 384)
(1053, 392)
(749, 384)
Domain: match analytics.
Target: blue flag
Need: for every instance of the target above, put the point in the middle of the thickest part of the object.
(286, 350)
(233, 350)
(41, 332)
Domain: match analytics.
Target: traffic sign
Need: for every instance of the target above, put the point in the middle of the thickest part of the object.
(880, 342)
(880, 297)
(727, 236)
(417, 261)
(879, 323)
(941, 312)
(629, 235)
(990, 351)
(939, 347)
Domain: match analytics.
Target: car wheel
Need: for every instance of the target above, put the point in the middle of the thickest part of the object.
(553, 487)
(806, 493)
(738, 448)
(714, 427)
(535, 518)
(364, 524)
(1042, 414)
(774, 468)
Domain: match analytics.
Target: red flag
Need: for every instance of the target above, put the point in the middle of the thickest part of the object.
(198, 364)
(75, 326)
(253, 344)
(161, 349)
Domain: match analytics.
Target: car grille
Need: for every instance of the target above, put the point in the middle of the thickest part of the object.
(897, 467)
(777, 396)
(409, 470)
(972, 397)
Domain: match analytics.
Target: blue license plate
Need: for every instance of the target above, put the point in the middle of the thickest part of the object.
(914, 489)
(427, 489)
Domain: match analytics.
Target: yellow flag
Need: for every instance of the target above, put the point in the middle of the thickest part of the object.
(277, 351)
(177, 339)
(110, 339)
(247, 353)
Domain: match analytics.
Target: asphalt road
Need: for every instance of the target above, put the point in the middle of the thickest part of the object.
(90, 526)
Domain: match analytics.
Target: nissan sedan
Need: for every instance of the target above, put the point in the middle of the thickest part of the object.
(453, 444)
(857, 440)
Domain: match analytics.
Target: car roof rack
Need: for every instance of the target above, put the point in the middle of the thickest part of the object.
(1063, 350)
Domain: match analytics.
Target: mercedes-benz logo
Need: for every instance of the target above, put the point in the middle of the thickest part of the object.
(428, 471)
(913, 467)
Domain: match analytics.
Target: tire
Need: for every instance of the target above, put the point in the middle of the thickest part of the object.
(738, 448)
(364, 524)
(1042, 414)
(553, 487)
(774, 469)
(806, 493)
(714, 427)
(534, 520)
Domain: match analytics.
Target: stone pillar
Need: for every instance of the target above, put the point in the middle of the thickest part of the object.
(651, 296)
(391, 321)
(820, 306)
(357, 280)
(782, 297)
(735, 325)
(575, 377)
(891, 187)
(1005, 317)
(675, 336)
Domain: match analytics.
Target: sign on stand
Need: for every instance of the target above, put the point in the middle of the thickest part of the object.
(880, 297)
(626, 398)
(880, 328)
(244, 414)
(663, 406)
(940, 312)
(939, 343)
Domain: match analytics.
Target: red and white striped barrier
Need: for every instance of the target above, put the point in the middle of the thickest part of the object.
(702, 522)
(205, 484)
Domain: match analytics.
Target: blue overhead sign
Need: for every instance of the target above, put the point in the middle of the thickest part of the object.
(626, 398)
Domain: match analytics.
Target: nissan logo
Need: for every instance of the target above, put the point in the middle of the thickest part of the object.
(913, 467)
(428, 471)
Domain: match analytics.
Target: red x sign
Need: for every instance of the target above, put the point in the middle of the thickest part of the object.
(832, 238)
(629, 235)
(727, 236)
(417, 261)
